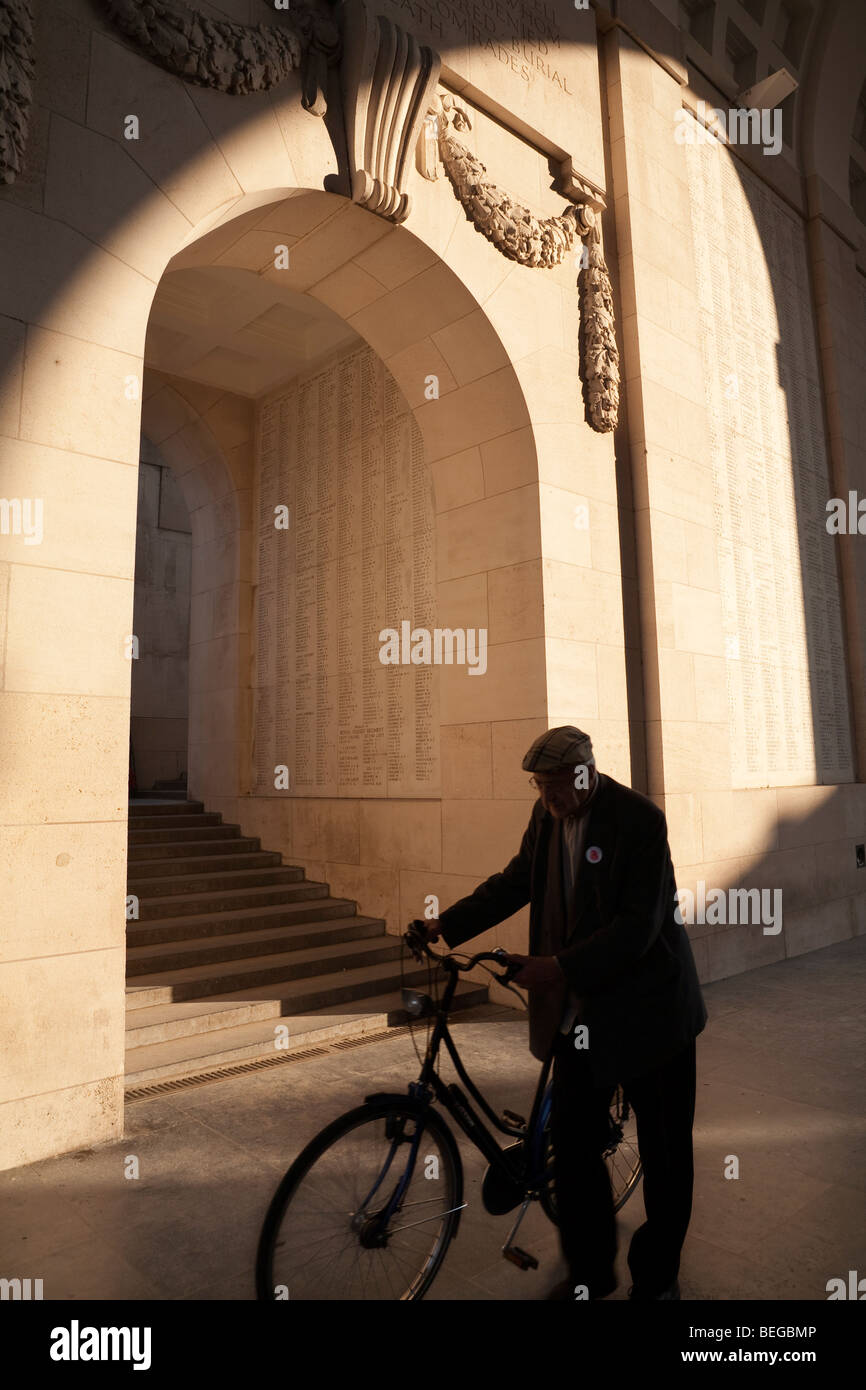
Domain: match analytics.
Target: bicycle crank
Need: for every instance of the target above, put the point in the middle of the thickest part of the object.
(513, 1252)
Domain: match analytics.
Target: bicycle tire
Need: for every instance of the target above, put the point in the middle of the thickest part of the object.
(547, 1196)
(371, 1112)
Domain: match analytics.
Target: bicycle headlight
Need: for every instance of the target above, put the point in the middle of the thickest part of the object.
(416, 1004)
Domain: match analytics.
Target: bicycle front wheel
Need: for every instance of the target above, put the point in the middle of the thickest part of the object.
(366, 1211)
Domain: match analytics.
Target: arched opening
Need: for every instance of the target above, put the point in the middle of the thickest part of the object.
(327, 394)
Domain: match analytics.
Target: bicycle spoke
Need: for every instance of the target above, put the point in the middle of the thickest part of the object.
(397, 1229)
(320, 1251)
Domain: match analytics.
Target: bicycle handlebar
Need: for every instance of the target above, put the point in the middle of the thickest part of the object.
(420, 946)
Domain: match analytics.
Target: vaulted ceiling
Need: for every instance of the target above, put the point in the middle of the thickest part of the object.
(235, 330)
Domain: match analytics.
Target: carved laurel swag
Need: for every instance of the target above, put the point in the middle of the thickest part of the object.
(16, 75)
(513, 229)
(533, 241)
(598, 350)
(216, 53)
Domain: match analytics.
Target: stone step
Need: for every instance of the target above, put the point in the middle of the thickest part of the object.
(193, 849)
(211, 863)
(178, 883)
(300, 912)
(192, 904)
(251, 1038)
(301, 961)
(285, 969)
(182, 822)
(231, 943)
(296, 934)
(270, 977)
(170, 836)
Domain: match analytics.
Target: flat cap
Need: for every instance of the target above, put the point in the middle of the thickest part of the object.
(557, 748)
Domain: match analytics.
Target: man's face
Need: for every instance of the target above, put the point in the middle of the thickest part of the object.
(559, 796)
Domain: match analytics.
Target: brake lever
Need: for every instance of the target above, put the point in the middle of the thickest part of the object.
(416, 944)
(510, 970)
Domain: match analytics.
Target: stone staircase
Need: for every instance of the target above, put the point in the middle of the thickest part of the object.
(230, 943)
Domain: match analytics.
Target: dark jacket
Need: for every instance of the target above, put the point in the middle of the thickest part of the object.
(626, 956)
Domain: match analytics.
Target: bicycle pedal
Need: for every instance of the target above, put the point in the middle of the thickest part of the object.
(521, 1258)
(515, 1119)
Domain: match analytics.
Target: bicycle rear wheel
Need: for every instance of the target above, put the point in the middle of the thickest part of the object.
(621, 1156)
(366, 1211)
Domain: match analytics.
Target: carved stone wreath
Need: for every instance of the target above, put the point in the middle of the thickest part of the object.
(533, 241)
(230, 57)
(215, 53)
(16, 74)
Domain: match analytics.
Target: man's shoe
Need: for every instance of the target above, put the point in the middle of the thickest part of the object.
(673, 1292)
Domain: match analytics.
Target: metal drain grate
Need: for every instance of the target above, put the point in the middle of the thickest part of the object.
(203, 1078)
(342, 1043)
(177, 1083)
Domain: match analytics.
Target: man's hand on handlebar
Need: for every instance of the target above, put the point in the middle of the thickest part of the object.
(532, 972)
(536, 971)
(420, 936)
(429, 931)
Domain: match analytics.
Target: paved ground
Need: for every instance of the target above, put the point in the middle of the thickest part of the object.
(781, 1071)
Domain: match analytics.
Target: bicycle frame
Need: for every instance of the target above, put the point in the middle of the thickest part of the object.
(530, 1172)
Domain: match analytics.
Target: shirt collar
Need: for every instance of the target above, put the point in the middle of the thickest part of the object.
(577, 816)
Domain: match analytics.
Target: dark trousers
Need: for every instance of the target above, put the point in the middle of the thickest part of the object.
(663, 1101)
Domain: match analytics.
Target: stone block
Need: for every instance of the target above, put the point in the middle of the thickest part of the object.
(581, 604)
(811, 928)
(488, 534)
(513, 687)
(512, 739)
(86, 987)
(61, 1120)
(473, 414)
(458, 480)
(73, 397)
(83, 626)
(177, 151)
(95, 186)
(401, 834)
(810, 815)
(467, 762)
(517, 602)
(572, 680)
(480, 837)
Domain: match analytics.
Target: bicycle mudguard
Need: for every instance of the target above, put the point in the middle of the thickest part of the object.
(397, 1097)
(421, 1106)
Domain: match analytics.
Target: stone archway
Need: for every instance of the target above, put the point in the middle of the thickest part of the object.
(423, 322)
(392, 831)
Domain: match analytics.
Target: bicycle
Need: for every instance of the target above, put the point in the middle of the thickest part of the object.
(366, 1176)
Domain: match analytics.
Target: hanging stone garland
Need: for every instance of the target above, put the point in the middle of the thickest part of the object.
(533, 241)
(16, 76)
(599, 354)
